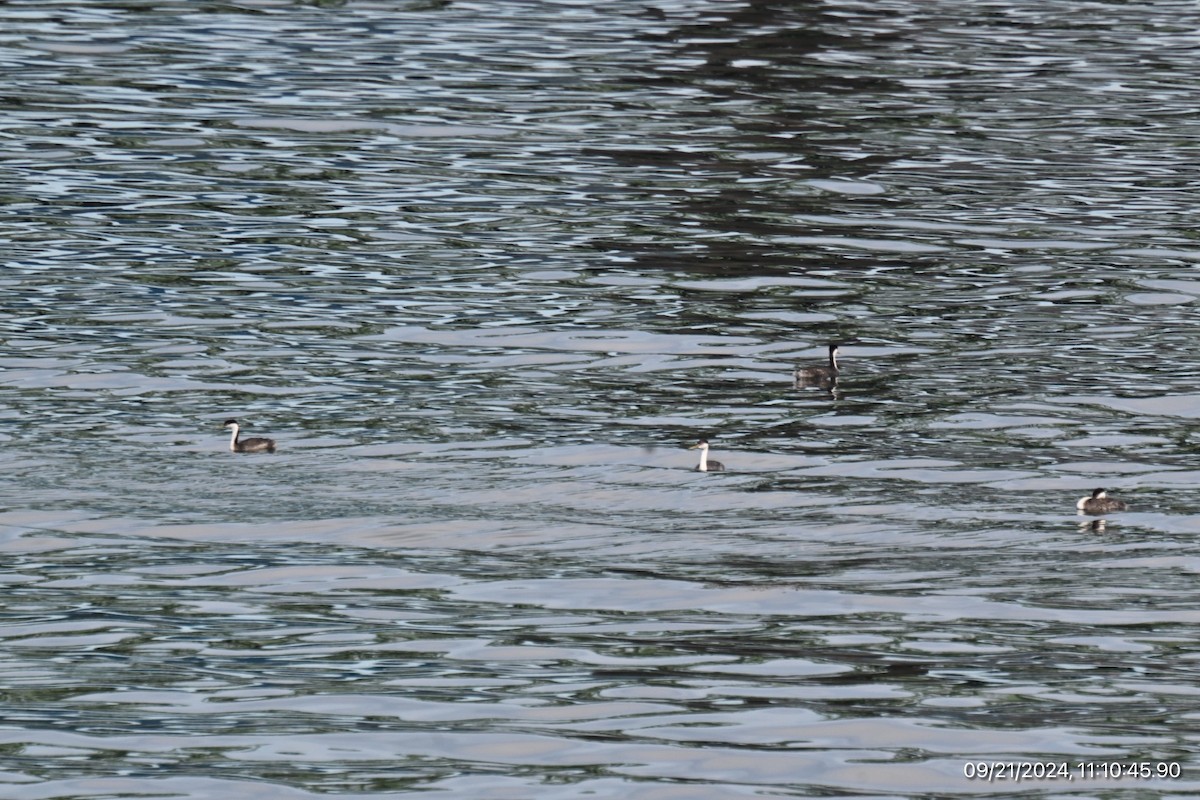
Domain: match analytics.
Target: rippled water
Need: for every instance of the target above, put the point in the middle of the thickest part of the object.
(485, 270)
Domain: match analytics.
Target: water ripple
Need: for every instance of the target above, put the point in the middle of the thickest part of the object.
(485, 271)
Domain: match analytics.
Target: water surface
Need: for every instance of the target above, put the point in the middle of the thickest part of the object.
(485, 270)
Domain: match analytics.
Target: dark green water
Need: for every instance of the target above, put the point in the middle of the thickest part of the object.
(485, 271)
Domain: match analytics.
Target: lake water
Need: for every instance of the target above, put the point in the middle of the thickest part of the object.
(485, 270)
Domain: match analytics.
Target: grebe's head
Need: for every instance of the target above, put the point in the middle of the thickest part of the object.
(700, 445)
(834, 348)
(229, 423)
(1098, 494)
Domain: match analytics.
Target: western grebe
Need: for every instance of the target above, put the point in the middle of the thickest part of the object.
(1099, 503)
(811, 375)
(253, 445)
(706, 465)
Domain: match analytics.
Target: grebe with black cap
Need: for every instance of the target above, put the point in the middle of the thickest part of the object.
(256, 444)
(1099, 503)
(705, 465)
(810, 375)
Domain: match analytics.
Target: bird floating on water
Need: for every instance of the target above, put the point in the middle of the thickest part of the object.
(1099, 503)
(705, 465)
(817, 375)
(256, 444)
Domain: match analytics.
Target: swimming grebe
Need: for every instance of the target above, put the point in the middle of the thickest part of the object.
(706, 465)
(811, 375)
(1099, 503)
(253, 445)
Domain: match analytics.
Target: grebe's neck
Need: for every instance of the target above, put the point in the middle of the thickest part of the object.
(833, 360)
(703, 458)
(233, 437)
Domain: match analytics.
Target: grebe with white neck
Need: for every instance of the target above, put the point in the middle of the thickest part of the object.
(1099, 503)
(706, 465)
(255, 444)
(811, 375)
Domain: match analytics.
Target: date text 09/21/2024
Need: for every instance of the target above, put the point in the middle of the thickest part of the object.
(1071, 770)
